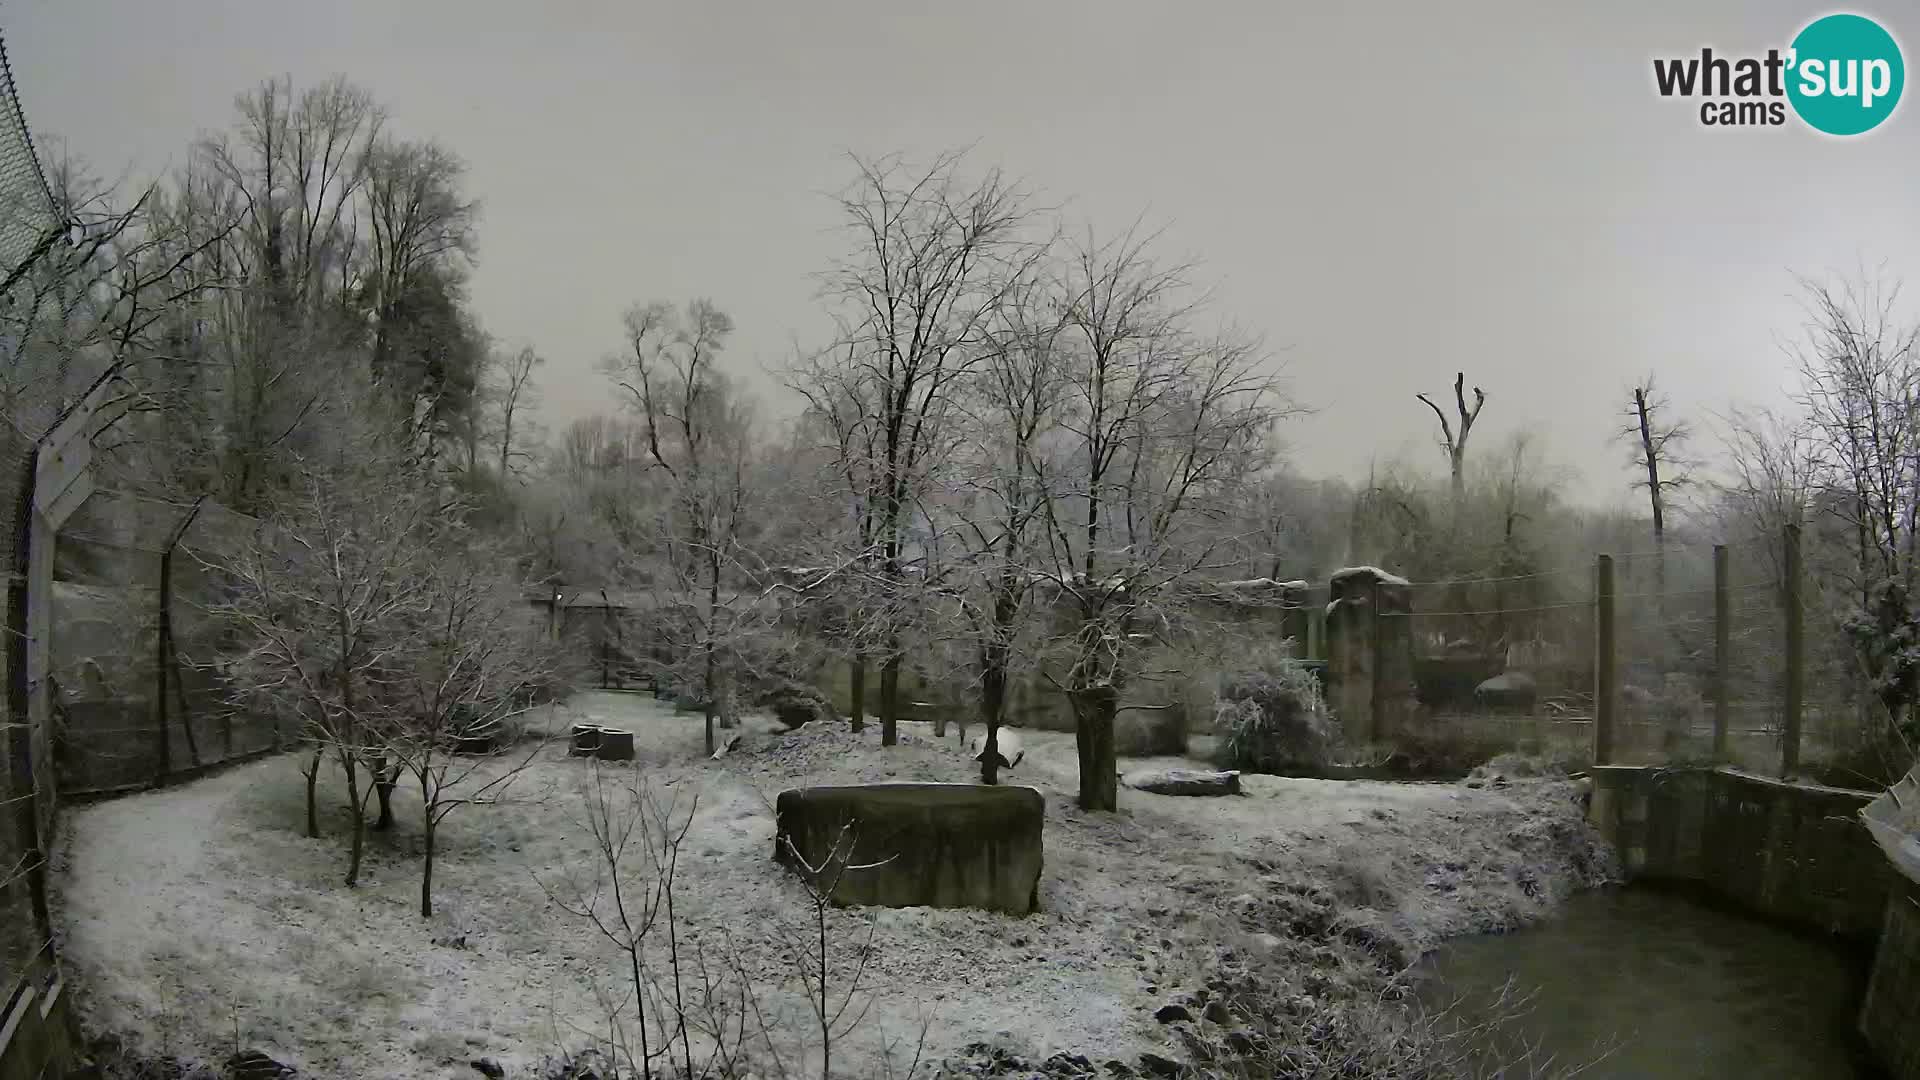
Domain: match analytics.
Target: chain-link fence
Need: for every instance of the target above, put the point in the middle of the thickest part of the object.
(140, 697)
(1504, 662)
(1700, 655)
(28, 223)
(24, 940)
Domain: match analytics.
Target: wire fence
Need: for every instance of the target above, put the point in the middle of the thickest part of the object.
(25, 940)
(139, 690)
(1701, 663)
(137, 696)
(31, 382)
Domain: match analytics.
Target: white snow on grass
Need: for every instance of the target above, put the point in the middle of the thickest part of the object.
(193, 912)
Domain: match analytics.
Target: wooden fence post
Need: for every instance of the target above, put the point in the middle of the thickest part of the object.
(1722, 653)
(1603, 662)
(1377, 637)
(1796, 657)
(1316, 629)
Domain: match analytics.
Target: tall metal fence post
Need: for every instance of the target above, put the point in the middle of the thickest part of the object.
(1722, 653)
(164, 655)
(1603, 661)
(1796, 657)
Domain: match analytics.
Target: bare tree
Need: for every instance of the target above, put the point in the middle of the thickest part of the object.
(1290, 526)
(298, 165)
(1772, 477)
(93, 298)
(1014, 407)
(1162, 424)
(1658, 461)
(808, 949)
(592, 446)
(698, 435)
(931, 258)
(1453, 441)
(627, 896)
(426, 349)
(244, 366)
(1860, 372)
(1523, 494)
(515, 395)
(692, 1010)
(323, 591)
(842, 417)
(461, 669)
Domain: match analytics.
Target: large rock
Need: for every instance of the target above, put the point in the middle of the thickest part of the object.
(937, 845)
(1508, 690)
(1183, 782)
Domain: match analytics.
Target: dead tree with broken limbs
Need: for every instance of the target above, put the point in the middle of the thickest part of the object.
(1657, 463)
(1452, 440)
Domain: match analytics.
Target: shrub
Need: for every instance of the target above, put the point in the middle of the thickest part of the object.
(1274, 721)
(1151, 732)
(796, 703)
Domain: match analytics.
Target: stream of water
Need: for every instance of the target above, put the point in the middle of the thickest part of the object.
(1666, 987)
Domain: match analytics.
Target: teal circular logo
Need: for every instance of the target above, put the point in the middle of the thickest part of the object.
(1845, 74)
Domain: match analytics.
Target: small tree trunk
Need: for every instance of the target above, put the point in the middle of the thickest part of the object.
(857, 693)
(313, 780)
(385, 778)
(1094, 708)
(890, 700)
(993, 698)
(358, 845)
(426, 868)
(710, 693)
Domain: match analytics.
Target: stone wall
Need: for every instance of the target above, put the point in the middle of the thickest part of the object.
(1890, 1019)
(36, 1034)
(1370, 683)
(1792, 852)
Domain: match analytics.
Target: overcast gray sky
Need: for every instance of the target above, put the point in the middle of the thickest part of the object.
(1388, 194)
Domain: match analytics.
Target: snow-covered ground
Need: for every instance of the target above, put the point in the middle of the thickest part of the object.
(201, 916)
